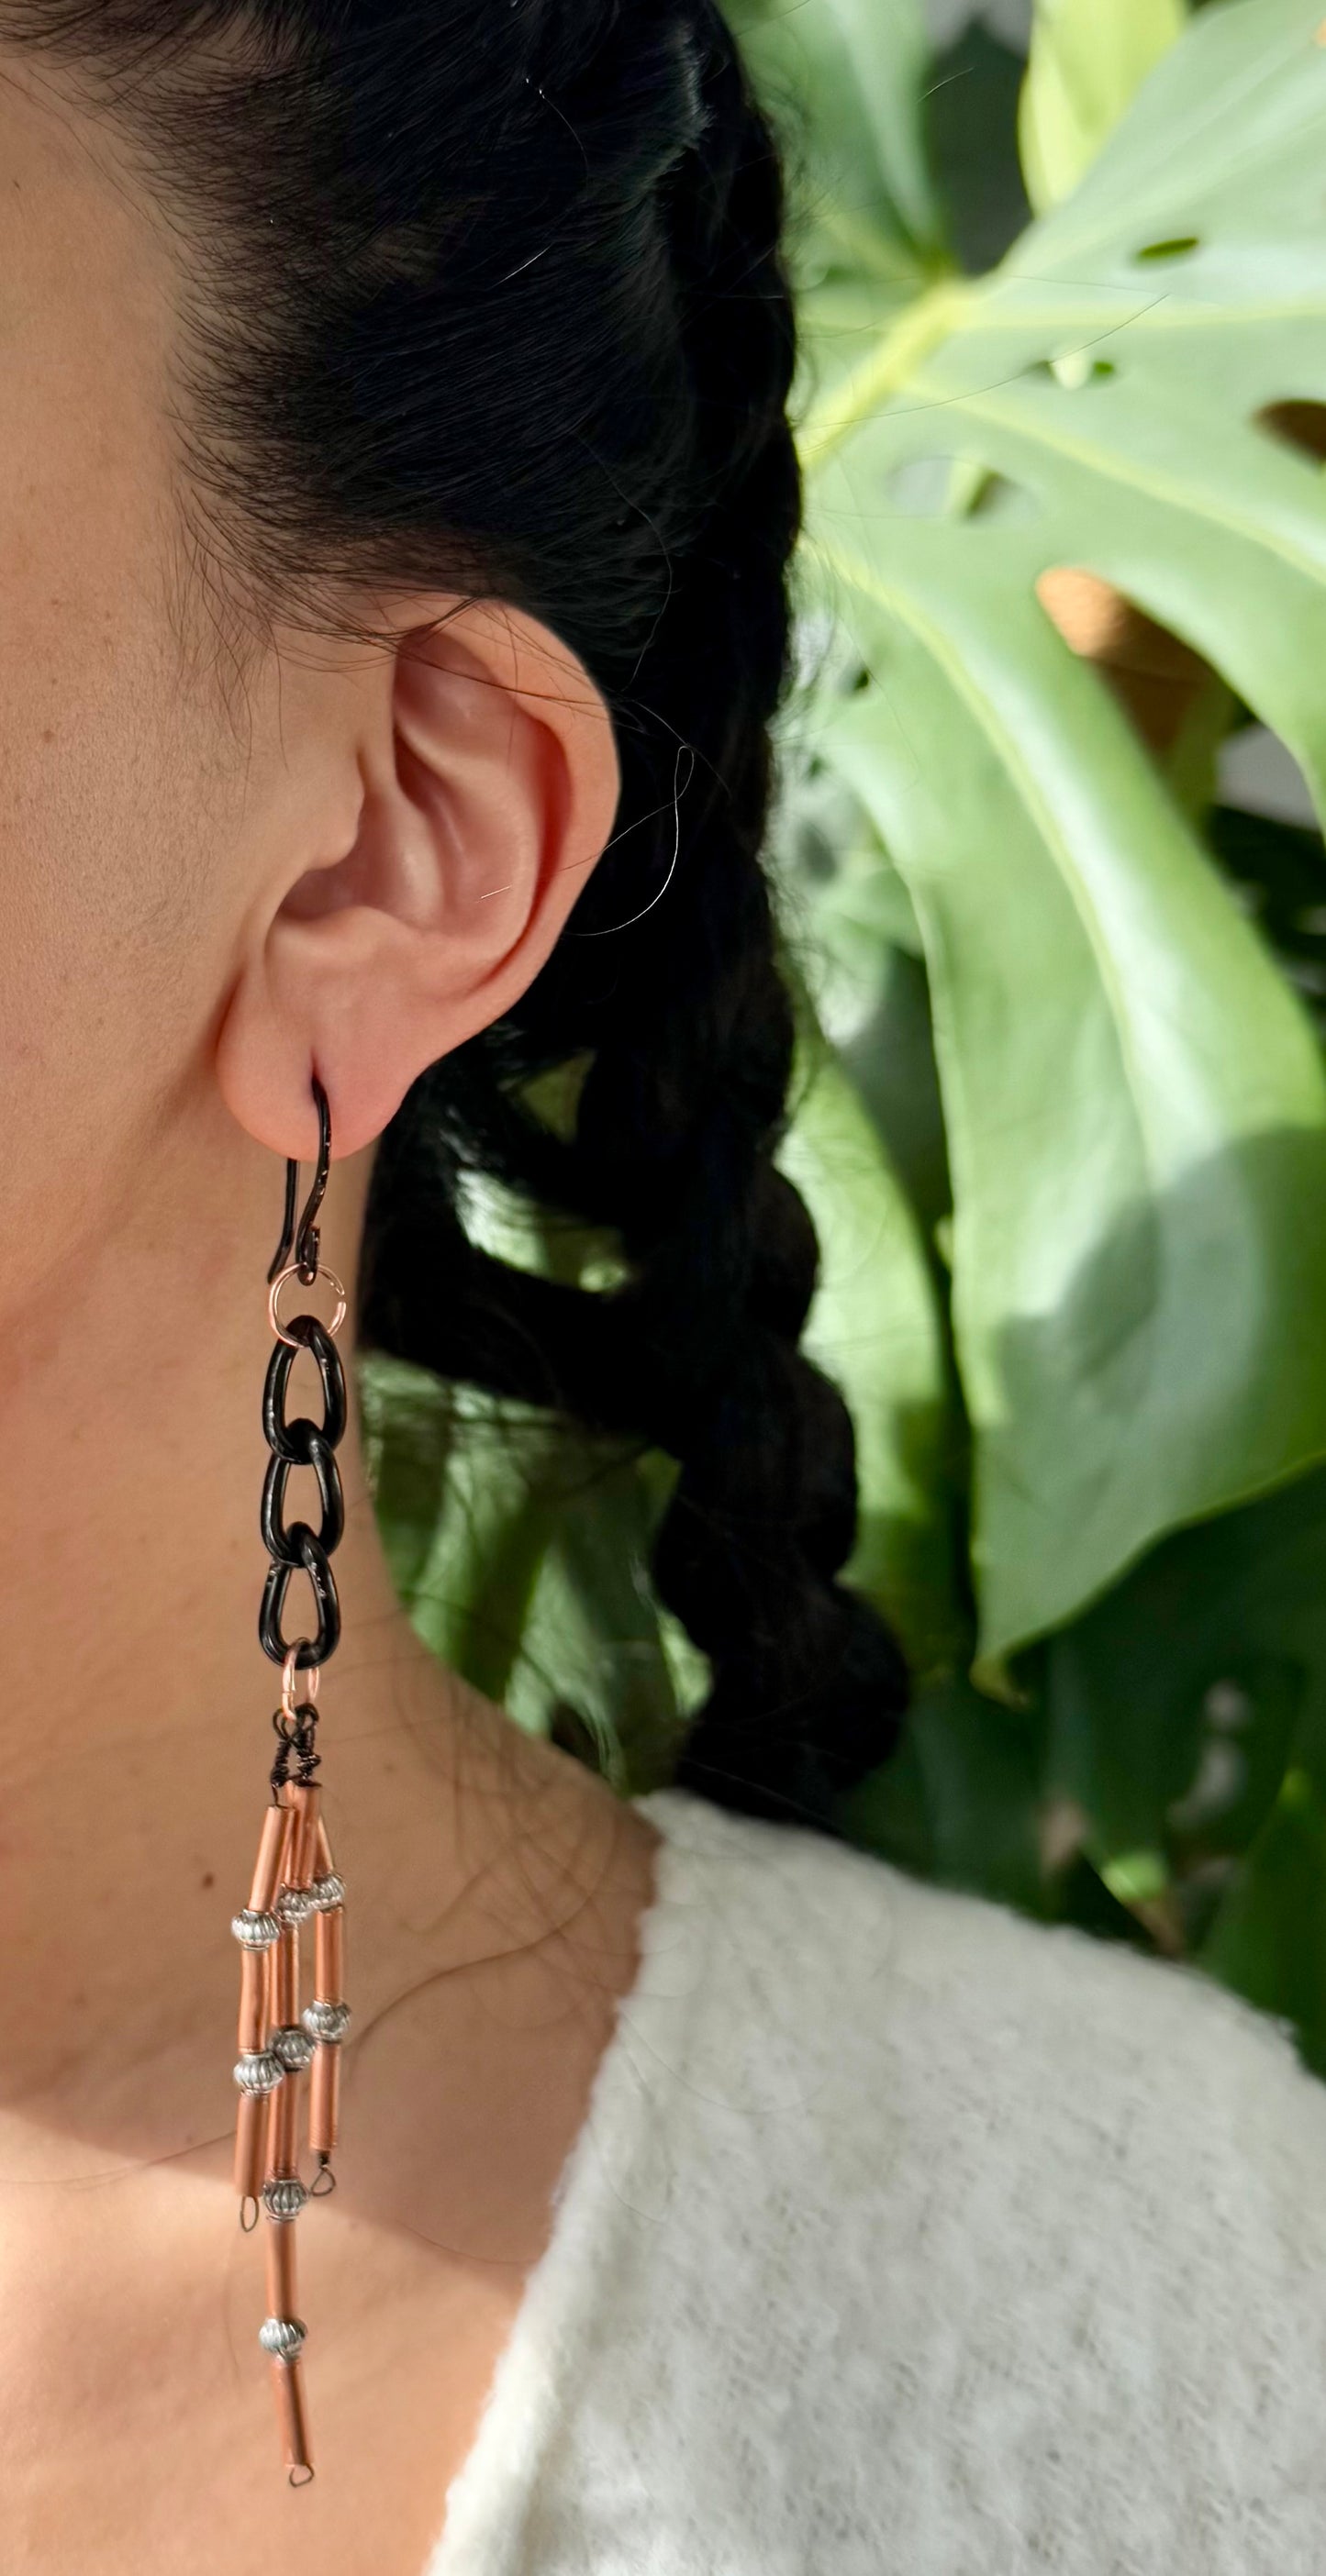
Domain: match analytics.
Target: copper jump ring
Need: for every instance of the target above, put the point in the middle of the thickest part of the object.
(310, 1680)
(291, 1272)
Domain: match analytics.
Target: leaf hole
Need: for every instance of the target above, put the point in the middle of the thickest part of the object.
(1077, 368)
(1298, 423)
(997, 496)
(1151, 673)
(1258, 774)
(1072, 369)
(957, 487)
(1180, 246)
(918, 486)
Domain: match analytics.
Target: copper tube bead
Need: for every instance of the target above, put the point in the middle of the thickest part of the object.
(285, 1976)
(305, 1799)
(251, 2145)
(324, 2101)
(281, 2286)
(283, 2133)
(329, 1956)
(252, 2001)
(292, 2412)
(267, 1874)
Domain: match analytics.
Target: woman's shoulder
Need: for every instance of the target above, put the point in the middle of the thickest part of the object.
(820, 1946)
(1052, 2114)
(949, 2158)
(906, 2232)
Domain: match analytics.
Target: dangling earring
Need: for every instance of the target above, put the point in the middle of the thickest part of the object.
(295, 1876)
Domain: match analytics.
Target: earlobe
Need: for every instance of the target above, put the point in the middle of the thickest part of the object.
(490, 786)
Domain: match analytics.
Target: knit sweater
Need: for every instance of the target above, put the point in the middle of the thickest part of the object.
(906, 2237)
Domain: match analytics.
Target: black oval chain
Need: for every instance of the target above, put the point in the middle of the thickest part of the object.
(302, 1443)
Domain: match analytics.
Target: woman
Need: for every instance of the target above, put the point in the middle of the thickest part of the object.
(395, 501)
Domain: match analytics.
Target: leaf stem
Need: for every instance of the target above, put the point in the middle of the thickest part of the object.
(911, 338)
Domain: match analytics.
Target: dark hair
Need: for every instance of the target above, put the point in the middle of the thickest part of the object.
(493, 297)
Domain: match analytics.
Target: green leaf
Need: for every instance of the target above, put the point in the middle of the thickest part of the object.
(960, 1799)
(471, 1598)
(1087, 57)
(407, 1422)
(971, 118)
(847, 75)
(1135, 1105)
(1173, 1703)
(1269, 1939)
(874, 1328)
(595, 1635)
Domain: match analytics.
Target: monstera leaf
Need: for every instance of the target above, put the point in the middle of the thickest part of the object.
(874, 1326)
(1134, 1099)
(845, 79)
(1086, 62)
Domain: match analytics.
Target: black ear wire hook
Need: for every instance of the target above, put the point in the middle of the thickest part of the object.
(306, 1248)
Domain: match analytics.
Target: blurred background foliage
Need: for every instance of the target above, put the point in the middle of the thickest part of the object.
(1049, 858)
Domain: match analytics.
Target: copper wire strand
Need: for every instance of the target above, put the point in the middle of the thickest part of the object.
(292, 2412)
(324, 2083)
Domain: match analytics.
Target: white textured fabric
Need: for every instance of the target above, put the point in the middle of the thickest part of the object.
(905, 2237)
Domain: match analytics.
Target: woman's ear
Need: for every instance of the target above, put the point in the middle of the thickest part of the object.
(489, 788)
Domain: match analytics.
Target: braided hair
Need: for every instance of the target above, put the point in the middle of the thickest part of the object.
(497, 297)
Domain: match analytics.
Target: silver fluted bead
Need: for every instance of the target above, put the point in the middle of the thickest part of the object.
(292, 2045)
(282, 2336)
(255, 1931)
(327, 1892)
(258, 2071)
(294, 1904)
(326, 2021)
(283, 2196)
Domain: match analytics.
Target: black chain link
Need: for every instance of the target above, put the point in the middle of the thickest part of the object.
(302, 1443)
